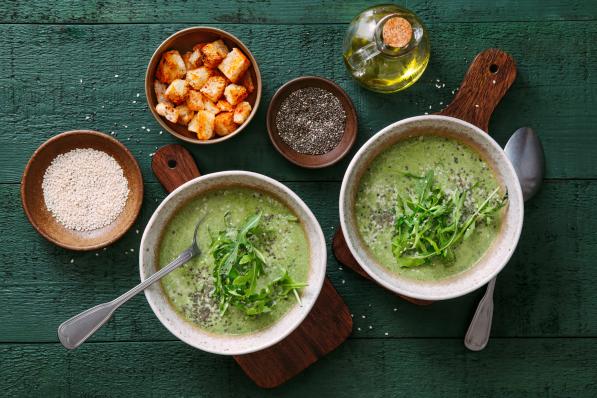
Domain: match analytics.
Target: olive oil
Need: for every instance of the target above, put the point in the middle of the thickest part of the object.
(386, 48)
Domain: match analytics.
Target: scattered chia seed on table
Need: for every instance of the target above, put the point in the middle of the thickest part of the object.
(311, 121)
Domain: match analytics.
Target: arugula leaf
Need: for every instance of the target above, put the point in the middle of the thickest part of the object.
(432, 223)
(238, 266)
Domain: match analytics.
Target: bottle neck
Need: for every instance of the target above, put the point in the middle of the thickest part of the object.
(395, 35)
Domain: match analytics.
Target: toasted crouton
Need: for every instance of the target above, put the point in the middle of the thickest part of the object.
(160, 89)
(224, 123)
(171, 67)
(211, 107)
(195, 100)
(225, 106)
(214, 53)
(235, 93)
(167, 111)
(198, 77)
(192, 59)
(214, 88)
(184, 114)
(234, 65)
(242, 112)
(177, 91)
(247, 82)
(202, 124)
(199, 46)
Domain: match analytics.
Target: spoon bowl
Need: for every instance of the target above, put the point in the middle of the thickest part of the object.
(525, 152)
(75, 331)
(526, 155)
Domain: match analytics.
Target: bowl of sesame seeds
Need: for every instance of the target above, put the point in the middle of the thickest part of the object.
(82, 190)
(312, 122)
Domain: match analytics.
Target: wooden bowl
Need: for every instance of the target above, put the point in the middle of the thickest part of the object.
(301, 159)
(183, 41)
(33, 199)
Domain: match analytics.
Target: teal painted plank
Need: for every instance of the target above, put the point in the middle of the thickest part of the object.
(372, 368)
(76, 87)
(548, 289)
(285, 11)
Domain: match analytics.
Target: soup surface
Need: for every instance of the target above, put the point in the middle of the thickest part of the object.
(190, 288)
(456, 168)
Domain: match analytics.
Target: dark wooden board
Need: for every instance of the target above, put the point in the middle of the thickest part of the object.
(547, 289)
(327, 325)
(487, 80)
(59, 60)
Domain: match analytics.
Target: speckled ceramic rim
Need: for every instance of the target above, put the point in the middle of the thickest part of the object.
(498, 254)
(243, 344)
(168, 43)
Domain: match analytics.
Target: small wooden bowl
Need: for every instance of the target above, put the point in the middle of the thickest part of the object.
(32, 195)
(183, 41)
(312, 161)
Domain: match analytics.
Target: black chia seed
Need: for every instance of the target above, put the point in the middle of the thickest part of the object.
(311, 121)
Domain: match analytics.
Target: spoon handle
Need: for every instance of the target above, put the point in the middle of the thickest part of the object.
(479, 330)
(73, 332)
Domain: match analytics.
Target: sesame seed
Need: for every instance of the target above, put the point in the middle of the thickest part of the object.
(74, 189)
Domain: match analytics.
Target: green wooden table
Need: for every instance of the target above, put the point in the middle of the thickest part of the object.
(67, 65)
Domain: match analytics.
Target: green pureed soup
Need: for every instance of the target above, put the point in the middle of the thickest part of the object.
(190, 289)
(396, 174)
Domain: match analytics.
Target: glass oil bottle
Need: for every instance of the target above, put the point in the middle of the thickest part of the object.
(386, 48)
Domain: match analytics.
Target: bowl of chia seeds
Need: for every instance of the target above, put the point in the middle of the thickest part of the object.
(312, 122)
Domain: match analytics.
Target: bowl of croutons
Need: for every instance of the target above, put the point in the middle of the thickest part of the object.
(203, 85)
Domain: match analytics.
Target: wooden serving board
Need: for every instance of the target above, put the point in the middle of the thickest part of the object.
(326, 327)
(487, 80)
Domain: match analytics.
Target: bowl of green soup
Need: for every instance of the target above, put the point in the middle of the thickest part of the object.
(260, 270)
(431, 208)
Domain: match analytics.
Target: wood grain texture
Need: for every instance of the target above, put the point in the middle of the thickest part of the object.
(556, 98)
(373, 368)
(327, 325)
(173, 165)
(284, 11)
(485, 83)
(344, 256)
(87, 71)
(547, 289)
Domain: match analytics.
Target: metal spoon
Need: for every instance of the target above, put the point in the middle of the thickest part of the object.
(526, 155)
(73, 332)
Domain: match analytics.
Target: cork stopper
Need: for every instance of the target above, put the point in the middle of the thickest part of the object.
(397, 32)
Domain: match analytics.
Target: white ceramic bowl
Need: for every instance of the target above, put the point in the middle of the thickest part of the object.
(497, 255)
(222, 344)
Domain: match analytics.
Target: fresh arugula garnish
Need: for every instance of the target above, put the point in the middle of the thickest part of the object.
(238, 266)
(432, 223)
